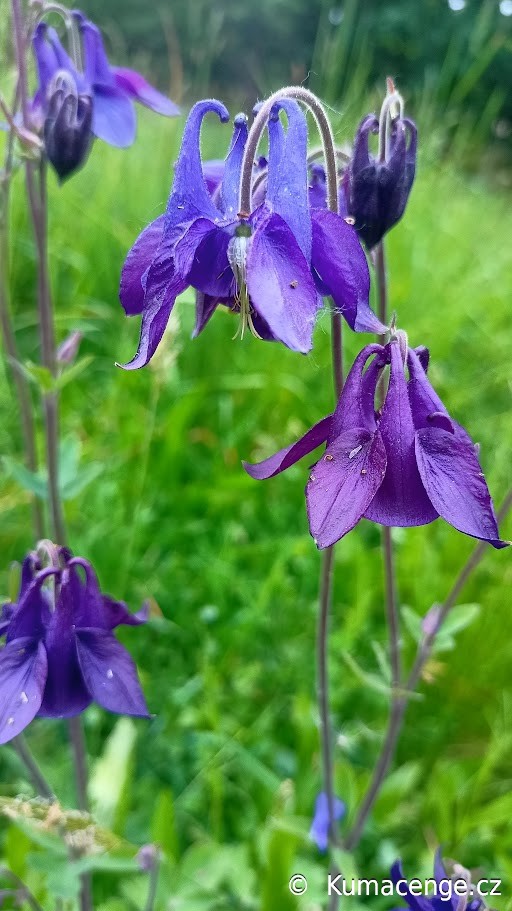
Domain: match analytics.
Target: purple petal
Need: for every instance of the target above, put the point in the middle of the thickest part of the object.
(339, 260)
(64, 61)
(343, 483)
(287, 188)
(113, 118)
(131, 291)
(230, 187)
(109, 673)
(155, 317)
(280, 285)
(46, 59)
(200, 254)
(415, 903)
(206, 306)
(319, 831)
(117, 613)
(32, 610)
(140, 90)
(213, 171)
(426, 406)
(97, 67)
(190, 197)
(454, 481)
(356, 405)
(401, 499)
(285, 457)
(23, 669)
(64, 694)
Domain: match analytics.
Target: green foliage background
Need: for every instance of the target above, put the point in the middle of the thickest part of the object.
(225, 775)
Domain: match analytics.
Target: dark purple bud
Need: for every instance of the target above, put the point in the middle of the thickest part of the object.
(68, 350)
(379, 185)
(67, 126)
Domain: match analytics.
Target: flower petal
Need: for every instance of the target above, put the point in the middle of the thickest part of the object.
(415, 903)
(339, 260)
(97, 67)
(117, 613)
(401, 499)
(213, 171)
(206, 305)
(280, 285)
(230, 186)
(140, 90)
(356, 405)
(109, 672)
(131, 291)
(113, 116)
(190, 196)
(426, 406)
(155, 317)
(343, 483)
(23, 667)
(46, 58)
(454, 481)
(287, 188)
(200, 254)
(290, 454)
(319, 831)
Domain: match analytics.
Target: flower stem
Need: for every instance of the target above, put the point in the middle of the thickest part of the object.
(39, 781)
(400, 704)
(153, 885)
(326, 135)
(21, 888)
(80, 754)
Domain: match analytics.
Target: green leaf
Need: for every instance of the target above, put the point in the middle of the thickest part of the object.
(82, 478)
(163, 827)
(34, 483)
(413, 623)
(72, 372)
(111, 772)
(41, 376)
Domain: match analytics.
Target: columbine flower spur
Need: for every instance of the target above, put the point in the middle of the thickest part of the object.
(270, 265)
(60, 653)
(405, 466)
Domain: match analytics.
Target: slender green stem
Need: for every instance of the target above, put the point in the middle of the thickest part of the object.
(21, 888)
(399, 706)
(80, 755)
(153, 885)
(38, 779)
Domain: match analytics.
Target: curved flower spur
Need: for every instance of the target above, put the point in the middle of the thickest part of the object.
(270, 264)
(60, 653)
(405, 466)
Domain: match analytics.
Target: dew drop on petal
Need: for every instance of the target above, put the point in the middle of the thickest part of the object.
(10, 720)
(110, 673)
(354, 452)
(24, 697)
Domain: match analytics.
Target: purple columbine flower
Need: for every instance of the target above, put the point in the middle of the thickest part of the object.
(444, 898)
(60, 652)
(269, 265)
(378, 187)
(319, 831)
(406, 465)
(112, 89)
(67, 126)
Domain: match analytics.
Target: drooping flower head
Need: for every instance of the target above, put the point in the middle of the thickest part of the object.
(269, 265)
(378, 186)
(319, 831)
(454, 892)
(75, 102)
(60, 651)
(405, 465)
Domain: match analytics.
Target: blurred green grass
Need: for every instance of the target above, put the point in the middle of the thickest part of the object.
(229, 667)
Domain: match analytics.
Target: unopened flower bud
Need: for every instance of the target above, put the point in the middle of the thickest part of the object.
(67, 126)
(379, 186)
(68, 350)
(147, 858)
